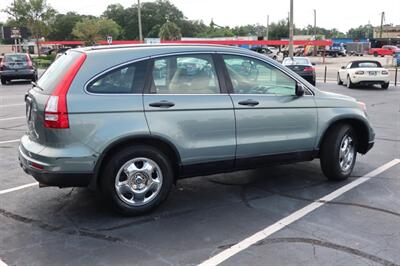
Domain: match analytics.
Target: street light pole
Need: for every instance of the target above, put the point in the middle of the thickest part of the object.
(140, 21)
(291, 30)
(267, 27)
(315, 31)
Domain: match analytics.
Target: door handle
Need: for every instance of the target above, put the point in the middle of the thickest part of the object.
(249, 102)
(162, 104)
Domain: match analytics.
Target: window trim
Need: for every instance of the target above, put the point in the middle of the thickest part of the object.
(229, 82)
(217, 66)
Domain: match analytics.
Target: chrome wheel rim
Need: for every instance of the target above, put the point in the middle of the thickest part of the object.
(346, 153)
(138, 181)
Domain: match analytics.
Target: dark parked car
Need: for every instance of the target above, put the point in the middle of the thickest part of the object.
(17, 66)
(302, 66)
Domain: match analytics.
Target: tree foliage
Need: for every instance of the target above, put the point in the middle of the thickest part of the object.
(92, 30)
(360, 32)
(170, 32)
(62, 26)
(122, 23)
(37, 15)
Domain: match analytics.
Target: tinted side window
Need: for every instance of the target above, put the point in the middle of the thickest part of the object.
(126, 79)
(251, 76)
(185, 74)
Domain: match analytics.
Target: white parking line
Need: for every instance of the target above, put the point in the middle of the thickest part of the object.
(12, 118)
(15, 104)
(2, 263)
(266, 232)
(5, 191)
(9, 141)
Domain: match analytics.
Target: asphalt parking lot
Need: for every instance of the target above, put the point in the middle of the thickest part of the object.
(208, 215)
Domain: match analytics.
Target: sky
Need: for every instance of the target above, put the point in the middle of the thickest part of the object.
(340, 14)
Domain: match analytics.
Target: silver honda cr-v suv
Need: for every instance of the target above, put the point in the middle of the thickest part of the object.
(130, 120)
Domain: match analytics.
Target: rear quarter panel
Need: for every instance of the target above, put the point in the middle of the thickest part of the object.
(97, 120)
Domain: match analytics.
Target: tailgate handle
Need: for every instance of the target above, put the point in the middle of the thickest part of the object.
(249, 102)
(162, 104)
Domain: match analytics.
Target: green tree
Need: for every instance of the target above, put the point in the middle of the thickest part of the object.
(154, 15)
(37, 15)
(62, 26)
(91, 30)
(278, 30)
(365, 31)
(119, 14)
(170, 32)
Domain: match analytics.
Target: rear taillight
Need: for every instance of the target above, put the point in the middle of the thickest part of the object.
(56, 112)
(384, 72)
(29, 61)
(308, 69)
(359, 72)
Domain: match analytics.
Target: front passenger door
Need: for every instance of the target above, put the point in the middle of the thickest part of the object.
(270, 118)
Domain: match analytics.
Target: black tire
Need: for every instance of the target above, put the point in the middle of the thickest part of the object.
(339, 80)
(330, 152)
(115, 163)
(3, 81)
(349, 84)
(34, 78)
(376, 54)
(385, 86)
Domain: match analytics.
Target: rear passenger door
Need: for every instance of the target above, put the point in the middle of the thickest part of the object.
(186, 104)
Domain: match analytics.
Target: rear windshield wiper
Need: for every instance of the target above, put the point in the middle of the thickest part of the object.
(36, 85)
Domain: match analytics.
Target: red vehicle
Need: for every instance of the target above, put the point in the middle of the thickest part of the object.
(385, 50)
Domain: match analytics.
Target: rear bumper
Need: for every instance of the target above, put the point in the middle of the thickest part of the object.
(54, 171)
(21, 73)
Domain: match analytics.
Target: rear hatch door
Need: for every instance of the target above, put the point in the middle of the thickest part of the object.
(37, 97)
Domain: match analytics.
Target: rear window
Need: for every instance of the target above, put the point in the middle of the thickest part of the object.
(53, 75)
(296, 61)
(366, 65)
(15, 58)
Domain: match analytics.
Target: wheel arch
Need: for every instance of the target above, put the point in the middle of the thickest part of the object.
(361, 128)
(155, 141)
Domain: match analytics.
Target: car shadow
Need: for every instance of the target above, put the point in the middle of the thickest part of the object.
(255, 191)
(369, 87)
(18, 82)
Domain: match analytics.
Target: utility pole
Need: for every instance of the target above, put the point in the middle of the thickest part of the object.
(140, 21)
(315, 32)
(382, 19)
(267, 27)
(291, 30)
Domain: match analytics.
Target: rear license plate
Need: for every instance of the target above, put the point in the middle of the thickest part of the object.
(372, 73)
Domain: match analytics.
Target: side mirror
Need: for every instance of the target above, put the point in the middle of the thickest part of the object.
(343, 67)
(299, 89)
